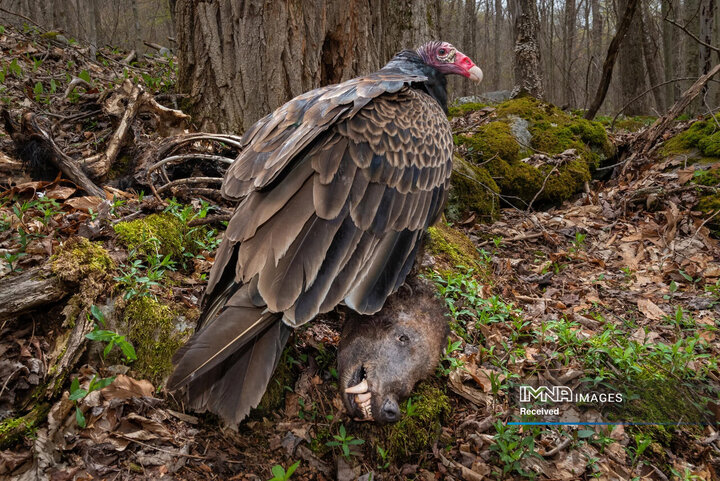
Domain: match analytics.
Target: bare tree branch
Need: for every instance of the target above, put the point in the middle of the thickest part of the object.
(694, 37)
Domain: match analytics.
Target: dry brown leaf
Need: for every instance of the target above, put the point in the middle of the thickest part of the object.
(60, 192)
(85, 203)
(124, 387)
(650, 310)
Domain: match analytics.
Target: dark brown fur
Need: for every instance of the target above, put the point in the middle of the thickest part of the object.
(393, 366)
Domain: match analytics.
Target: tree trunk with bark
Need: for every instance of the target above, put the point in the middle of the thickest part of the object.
(609, 64)
(632, 72)
(651, 52)
(469, 37)
(240, 60)
(707, 13)
(668, 38)
(528, 70)
(496, 42)
(596, 35)
(568, 34)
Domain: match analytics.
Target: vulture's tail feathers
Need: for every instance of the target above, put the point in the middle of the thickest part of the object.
(235, 386)
(227, 364)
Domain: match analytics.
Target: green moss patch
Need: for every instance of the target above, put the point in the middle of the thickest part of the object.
(150, 326)
(702, 136)
(451, 249)
(14, 430)
(162, 233)
(493, 148)
(416, 432)
(472, 191)
(78, 259)
(462, 109)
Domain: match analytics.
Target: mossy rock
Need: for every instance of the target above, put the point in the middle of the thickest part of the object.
(462, 109)
(78, 259)
(151, 328)
(472, 190)
(701, 139)
(451, 249)
(494, 139)
(552, 131)
(416, 433)
(163, 233)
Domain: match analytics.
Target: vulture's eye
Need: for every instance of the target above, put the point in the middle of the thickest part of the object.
(442, 51)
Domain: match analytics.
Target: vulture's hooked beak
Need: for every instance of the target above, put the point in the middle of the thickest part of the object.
(472, 71)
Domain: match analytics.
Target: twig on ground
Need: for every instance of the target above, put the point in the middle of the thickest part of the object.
(542, 188)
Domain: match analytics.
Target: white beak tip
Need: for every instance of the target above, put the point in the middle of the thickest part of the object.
(476, 74)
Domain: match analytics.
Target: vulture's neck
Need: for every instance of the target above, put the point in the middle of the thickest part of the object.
(409, 62)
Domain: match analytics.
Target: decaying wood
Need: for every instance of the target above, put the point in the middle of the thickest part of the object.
(30, 130)
(652, 134)
(99, 165)
(73, 344)
(152, 166)
(29, 290)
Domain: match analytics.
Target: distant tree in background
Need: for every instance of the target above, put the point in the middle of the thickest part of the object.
(528, 70)
(304, 44)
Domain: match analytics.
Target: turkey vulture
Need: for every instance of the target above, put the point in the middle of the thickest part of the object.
(335, 190)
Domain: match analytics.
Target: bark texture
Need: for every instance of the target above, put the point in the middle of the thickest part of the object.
(528, 70)
(612, 53)
(241, 60)
(632, 73)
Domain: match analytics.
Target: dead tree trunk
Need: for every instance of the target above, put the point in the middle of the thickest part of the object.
(609, 63)
(528, 70)
(240, 60)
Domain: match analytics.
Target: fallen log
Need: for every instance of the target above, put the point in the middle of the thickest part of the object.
(29, 290)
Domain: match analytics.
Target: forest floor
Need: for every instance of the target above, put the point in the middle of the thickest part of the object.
(617, 290)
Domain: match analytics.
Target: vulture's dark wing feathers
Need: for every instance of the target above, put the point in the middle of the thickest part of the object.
(379, 166)
(336, 188)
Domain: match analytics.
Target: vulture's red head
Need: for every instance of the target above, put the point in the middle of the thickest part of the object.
(448, 60)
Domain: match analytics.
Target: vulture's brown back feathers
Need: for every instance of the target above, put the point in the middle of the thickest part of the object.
(336, 188)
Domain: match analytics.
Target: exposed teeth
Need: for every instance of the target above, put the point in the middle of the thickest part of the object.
(363, 397)
(360, 388)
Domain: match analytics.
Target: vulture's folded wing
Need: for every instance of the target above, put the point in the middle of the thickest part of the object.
(336, 195)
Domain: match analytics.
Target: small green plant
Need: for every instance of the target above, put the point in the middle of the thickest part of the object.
(384, 463)
(77, 393)
(111, 337)
(452, 362)
(11, 261)
(627, 272)
(344, 441)
(308, 412)
(642, 441)
(578, 243)
(279, 473)
(512, 447)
